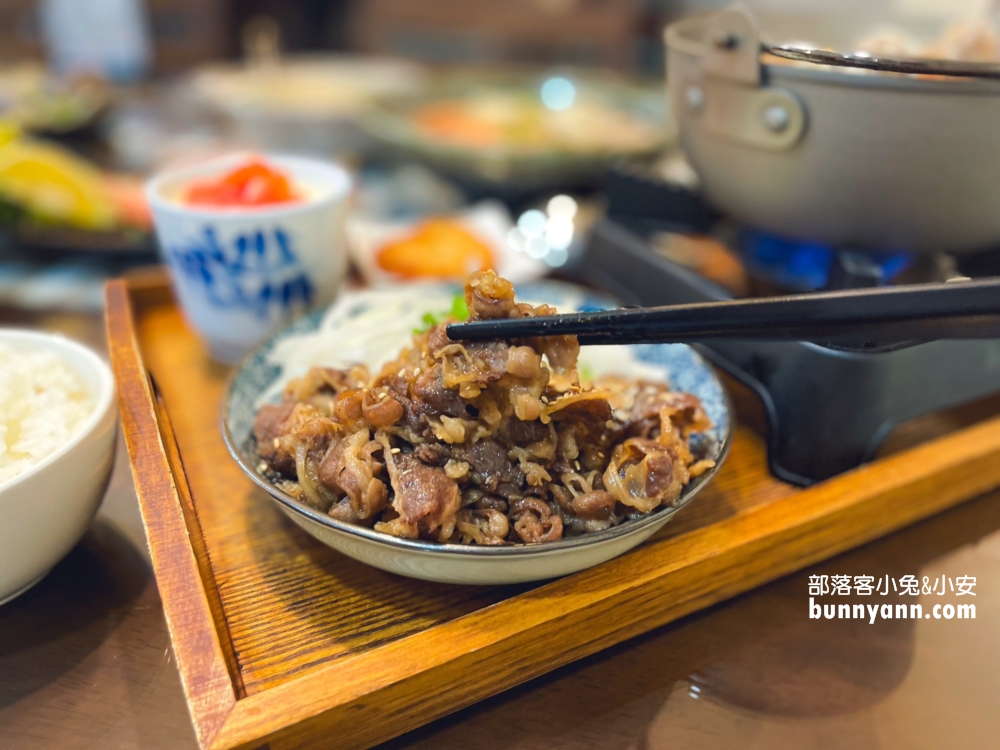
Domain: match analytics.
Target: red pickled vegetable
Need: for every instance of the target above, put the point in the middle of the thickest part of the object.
(253, 184)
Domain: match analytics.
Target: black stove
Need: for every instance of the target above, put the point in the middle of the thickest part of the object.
(828, 408)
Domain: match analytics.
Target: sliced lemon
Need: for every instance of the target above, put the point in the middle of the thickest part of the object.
(54, 185)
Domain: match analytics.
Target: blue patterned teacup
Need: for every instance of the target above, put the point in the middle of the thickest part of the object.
(242, 272)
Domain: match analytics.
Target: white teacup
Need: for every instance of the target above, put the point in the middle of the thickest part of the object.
(241, 272)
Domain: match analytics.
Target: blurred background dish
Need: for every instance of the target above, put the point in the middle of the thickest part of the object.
(49, 185)
(53, 202)
(528, 130)
(304, 103)
(40, 102)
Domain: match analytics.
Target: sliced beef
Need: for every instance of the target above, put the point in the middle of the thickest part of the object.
(490, 468)
(597, 505)
(519, 432)
(267, 425)
(432, 454)
(282, 429)
(425, 496)
(433, 398)
(349, 467)
(485, 443)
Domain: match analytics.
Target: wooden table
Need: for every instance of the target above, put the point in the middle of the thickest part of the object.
(85, 658)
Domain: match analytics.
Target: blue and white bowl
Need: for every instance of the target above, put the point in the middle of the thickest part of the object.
(371, 327)
(242, 272)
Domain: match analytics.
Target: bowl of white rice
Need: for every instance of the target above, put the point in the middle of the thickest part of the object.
(57, 434)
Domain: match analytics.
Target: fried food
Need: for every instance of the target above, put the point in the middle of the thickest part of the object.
(437, 249)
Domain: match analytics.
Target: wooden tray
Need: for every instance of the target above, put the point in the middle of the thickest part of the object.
(282, 642)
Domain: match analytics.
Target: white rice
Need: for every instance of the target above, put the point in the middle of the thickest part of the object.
(43, 404)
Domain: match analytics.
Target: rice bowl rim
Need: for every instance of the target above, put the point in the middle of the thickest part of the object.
(102, 399)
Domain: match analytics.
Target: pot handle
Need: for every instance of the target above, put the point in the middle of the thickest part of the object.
(733, 43)
(728, 97)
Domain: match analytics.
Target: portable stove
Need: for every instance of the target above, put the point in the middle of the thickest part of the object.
(828, 409)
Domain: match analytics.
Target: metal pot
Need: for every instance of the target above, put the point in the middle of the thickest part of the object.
(865, 160)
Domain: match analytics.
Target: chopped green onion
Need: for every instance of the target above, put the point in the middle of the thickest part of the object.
(459, 311)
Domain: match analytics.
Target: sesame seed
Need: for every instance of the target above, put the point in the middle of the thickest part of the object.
(394, 450)
(276, 442)
(577, 465)
(382, 396)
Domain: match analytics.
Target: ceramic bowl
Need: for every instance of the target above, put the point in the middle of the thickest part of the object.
(45, 510)
(371, 327)
(242, 272)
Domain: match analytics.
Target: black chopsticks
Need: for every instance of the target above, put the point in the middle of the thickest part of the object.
(867, 319)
